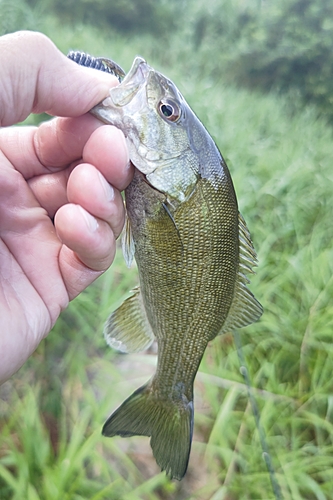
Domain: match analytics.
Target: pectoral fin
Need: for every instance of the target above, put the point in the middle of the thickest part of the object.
(245, 309)
(127, 328)
(127, 243)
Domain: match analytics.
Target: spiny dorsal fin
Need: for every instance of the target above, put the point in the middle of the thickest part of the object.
(245, 309)
(127, 328)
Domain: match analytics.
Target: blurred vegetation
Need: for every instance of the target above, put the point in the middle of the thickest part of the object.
(258, 76)
(126, 16)
(18, 15)
(261, 44)
(271, 45)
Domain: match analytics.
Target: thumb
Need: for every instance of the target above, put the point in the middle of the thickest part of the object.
(36, 77)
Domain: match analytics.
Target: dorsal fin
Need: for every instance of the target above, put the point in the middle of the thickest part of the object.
(245, 309)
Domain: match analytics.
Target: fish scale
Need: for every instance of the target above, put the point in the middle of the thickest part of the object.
(174, 283)
(193, 252)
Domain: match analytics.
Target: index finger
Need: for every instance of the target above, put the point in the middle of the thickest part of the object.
(51, 146)
(37, 77)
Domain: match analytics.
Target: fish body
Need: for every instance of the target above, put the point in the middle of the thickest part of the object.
(192, 249)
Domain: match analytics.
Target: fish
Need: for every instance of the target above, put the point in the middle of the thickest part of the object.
(193, 252)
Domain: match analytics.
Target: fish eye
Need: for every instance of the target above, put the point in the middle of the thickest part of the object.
(169, 110)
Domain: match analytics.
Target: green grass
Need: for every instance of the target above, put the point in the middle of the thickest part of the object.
(52, 411)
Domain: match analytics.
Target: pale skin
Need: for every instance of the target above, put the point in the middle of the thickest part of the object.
(60, 204)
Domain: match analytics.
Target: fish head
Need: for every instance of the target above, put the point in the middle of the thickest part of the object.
(166, 141)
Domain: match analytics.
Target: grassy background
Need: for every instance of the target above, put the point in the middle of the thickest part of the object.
(280, 153)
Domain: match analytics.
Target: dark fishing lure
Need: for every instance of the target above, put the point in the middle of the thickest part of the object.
(100, 63)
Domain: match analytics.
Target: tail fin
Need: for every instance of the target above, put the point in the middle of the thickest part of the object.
(168, 422)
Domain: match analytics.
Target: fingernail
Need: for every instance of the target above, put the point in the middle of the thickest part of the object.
(90, 220)
(108, 189)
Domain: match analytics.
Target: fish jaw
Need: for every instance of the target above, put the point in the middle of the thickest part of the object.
(121, 99)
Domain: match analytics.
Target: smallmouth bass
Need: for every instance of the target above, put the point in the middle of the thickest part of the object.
(193, 251)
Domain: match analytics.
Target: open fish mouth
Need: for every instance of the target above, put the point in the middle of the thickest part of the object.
(138, 72)
(130, 83)
(135, 79)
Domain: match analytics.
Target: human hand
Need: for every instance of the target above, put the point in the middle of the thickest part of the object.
(71, 169)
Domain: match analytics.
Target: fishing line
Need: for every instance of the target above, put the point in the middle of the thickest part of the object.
(255, 410)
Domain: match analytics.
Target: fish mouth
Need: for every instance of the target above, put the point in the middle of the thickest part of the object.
(138, 72)
(137, 77)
